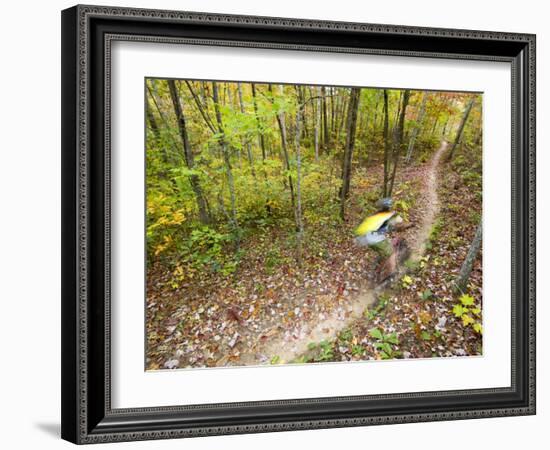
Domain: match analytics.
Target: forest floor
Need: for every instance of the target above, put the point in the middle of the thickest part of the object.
(273, 310)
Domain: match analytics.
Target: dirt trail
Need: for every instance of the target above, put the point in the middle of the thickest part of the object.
(418, 241)
(288, 348)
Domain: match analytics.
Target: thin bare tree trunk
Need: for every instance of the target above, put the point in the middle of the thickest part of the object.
(325, 118)
(344, 104)
(461, 128)
(258, 122)
(418, 127)
(202, 105)
(379, 94)
(301, 96)
(229, 95)
(282, 128)
(227, 159)
(333, 106)
(317, 124)
(351, 126)
(156, 130)
(152, 121)
(461, 281)
(188, 154)
(174, 138)
(399, 138)
(299, 220)
(387, 145)
(398, 110)
(479, 136)
(248, 145)
(262, 147)
(444, 132)
(436, 122)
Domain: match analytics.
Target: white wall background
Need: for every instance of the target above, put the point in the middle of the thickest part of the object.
(30, 222)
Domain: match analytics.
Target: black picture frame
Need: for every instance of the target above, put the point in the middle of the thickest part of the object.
(87, 32)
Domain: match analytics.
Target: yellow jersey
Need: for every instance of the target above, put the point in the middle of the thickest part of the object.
(374, 222)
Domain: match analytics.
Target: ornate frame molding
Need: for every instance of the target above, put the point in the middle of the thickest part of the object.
(80, 423)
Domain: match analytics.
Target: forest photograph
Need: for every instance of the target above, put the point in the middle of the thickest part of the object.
(298, 224)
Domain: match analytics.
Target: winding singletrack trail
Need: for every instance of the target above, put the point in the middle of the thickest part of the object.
(290, 347)
(418, 241)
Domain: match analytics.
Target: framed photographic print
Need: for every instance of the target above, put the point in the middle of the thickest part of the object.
(281, 224)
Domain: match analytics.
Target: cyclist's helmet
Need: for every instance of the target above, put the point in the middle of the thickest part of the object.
(384, 204)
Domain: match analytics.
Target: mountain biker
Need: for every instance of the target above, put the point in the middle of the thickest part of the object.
(374, 233)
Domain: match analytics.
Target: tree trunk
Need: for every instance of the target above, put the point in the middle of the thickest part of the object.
(461, 281)
(262, 147)
(282, 128)
(461, 128)
(317, 110)
(418, 127)
(227, 159)
(248, 145)
(479, 136)
(229, 95)
(168, 156)
(156, 132)
(325, 118)
(188, 154)
(298, 214)
(436, 122)
(202, 105)
(444, 132)
(333, 106)
(379, 94)
(155, 129)
(399, 138)
(340, 126)
(301, 96)
(351, 125)
(152, 121)
(258, 122)
(387, 145)
(398, 110)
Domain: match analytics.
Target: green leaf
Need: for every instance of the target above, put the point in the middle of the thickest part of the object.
(392, 339)
(426, 294)
(376, 333)
(459, 310)
(467, 320)
(477, 328)
(357, 350)
(426, 336)
(346, 335)
(386, 348)
(467, 300)
(476, 311)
